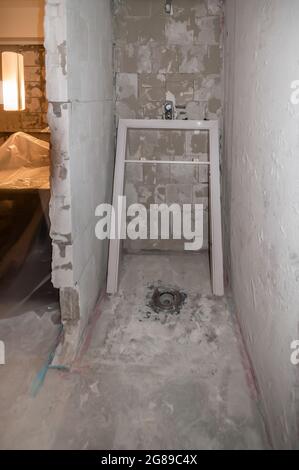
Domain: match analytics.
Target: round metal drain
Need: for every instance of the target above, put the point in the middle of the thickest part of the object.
(167, 299)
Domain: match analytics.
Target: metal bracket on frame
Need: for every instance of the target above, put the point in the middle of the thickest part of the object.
(215, 200)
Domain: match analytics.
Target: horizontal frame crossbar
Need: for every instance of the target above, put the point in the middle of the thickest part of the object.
(167, 162)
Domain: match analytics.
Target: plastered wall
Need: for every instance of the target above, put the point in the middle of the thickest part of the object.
(157, 57)
(80, 93)
(261, 169)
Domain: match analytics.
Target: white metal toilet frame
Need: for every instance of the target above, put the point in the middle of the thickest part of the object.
(214, 178)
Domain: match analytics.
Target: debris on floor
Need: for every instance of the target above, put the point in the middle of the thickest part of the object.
(175, 382)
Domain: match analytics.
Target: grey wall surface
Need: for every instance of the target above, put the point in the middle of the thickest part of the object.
(80, 92)
(261, 169)
(159, 56)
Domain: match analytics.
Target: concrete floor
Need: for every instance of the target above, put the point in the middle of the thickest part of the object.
(144, 380)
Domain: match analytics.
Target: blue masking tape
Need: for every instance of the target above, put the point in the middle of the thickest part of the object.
(41, 375)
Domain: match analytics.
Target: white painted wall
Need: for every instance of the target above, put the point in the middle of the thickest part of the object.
(22, 21)
(261, 175)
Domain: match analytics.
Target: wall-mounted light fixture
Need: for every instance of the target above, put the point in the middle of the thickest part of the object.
(13, 81)
(168, 7)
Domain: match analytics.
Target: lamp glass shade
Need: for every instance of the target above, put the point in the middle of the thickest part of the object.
(13, 81)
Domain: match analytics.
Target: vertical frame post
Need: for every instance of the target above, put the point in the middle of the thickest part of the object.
(215, 212)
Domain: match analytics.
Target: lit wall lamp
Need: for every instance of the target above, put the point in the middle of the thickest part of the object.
(168, 7)
(13, 81)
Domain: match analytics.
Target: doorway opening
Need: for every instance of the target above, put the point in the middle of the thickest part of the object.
(25, 244)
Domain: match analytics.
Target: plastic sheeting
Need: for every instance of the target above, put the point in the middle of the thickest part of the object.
(24, 163)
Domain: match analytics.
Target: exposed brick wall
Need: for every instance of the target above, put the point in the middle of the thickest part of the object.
(34, 117)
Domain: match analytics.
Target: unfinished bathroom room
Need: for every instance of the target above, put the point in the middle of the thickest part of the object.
(149, 224)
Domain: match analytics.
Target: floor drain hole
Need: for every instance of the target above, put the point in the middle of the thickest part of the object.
(167, 300)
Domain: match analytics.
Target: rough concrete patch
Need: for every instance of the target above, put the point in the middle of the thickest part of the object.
(197, 143)
(153, 110)
(139, 29)
(149, 174)
(126, 86)
(196, 110)
(150, 80)
(178, 32)
(134, 173)
(178, 194)
(137, 8)
(213, 61)
(200, 192)
(183, 174)
(63, 172)
(206, 88)
(61, 246)
(152, 94)
(189, 8)
(191, 58)
(183, 91)
(69, 304)
(160, 191)
(208, 30)
(214, 105)
(57, 109)
(215, 7)
(132, 58)
(125, 110)
(65, 267)
(66, 238)
(62, 56)
(165, 59)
